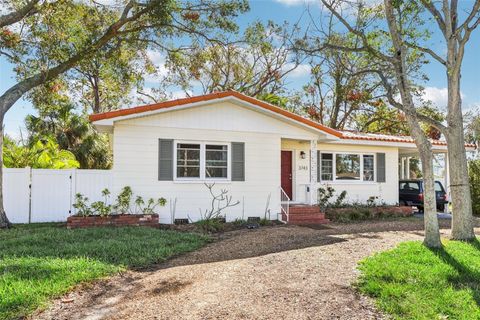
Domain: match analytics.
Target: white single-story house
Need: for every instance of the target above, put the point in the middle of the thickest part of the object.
(263, 155)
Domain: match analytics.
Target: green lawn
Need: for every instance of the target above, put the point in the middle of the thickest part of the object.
(38, 262)
(413, 282)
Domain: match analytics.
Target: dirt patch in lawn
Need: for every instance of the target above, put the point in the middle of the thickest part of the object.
(286, 272)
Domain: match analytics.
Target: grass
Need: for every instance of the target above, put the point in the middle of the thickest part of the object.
(38, 262)
(414, 282)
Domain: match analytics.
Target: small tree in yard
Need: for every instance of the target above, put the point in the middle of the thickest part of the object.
(219, 203)
(45, 39)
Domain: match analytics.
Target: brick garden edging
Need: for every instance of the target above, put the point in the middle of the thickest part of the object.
(118, 220)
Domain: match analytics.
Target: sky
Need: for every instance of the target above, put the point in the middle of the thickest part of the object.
(291, 11)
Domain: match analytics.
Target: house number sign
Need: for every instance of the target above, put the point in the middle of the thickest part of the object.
(302, 167)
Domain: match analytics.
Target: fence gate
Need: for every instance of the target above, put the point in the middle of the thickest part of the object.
(51, 195)
(16, 194)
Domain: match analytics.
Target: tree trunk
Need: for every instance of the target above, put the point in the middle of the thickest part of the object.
(462, 218)
(4, 222)
(432, 233)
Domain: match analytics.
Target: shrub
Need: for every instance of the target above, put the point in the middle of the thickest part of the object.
(81, 204)
(122, 206)
(340, 199)
(265, 222)
(363, 212)
(124, 200)
(325, 196)
(239, 222)
(210, 225)
(149, 208)
(474, 175)
(102, 208)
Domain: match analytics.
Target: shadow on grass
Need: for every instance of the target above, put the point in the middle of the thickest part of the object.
(466, 278)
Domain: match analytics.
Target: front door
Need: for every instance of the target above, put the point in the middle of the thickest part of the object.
(286, 167)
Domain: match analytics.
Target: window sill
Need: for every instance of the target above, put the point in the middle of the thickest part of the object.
(351, 182)
(202, 181)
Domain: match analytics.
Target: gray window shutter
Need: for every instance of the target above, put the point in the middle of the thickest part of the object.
(238, 161)
(381, 167)
(165, 159)
(319, 163)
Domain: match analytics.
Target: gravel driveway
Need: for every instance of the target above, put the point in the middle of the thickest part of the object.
(288, 272)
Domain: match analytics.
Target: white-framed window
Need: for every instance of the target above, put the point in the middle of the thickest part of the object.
(203, 160)
(327, 166)
(188, 160)
(216, 161)
(347, 167)
(368, 167)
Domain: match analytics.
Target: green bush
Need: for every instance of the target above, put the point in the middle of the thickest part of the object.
(474, 175)
(210, 225)
(239, 222)
(325, 197)
(122, 205)
(360, 212)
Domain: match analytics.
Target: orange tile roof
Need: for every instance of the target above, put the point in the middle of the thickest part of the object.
(231, 93)
(390, 138)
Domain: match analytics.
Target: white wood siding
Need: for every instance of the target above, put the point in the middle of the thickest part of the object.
(224, 116)
(136, 165)
(136, 159)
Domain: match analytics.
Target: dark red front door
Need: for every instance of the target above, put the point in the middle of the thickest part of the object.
(286, 165)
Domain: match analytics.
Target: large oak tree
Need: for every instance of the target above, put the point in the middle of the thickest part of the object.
(42, 38)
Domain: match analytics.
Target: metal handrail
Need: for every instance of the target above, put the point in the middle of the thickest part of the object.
(285, 203)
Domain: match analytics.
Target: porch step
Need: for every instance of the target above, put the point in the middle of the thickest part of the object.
(305, 215)
(304, 209)
(305, 219)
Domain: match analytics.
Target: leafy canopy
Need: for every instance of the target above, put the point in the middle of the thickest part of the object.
(44, 154)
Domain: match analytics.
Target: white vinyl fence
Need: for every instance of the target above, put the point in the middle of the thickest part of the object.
(46, 195)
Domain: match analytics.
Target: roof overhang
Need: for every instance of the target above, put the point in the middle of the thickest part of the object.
(106, 121)
(438, 147)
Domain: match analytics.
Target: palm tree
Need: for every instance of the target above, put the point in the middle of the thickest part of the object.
(72, 132)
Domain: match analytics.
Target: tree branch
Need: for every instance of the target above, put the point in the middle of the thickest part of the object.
(426, 50)
(391, 100)
(359, 34)
(436, 14)
(15, 92)
(473, 13)
(15, 16)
